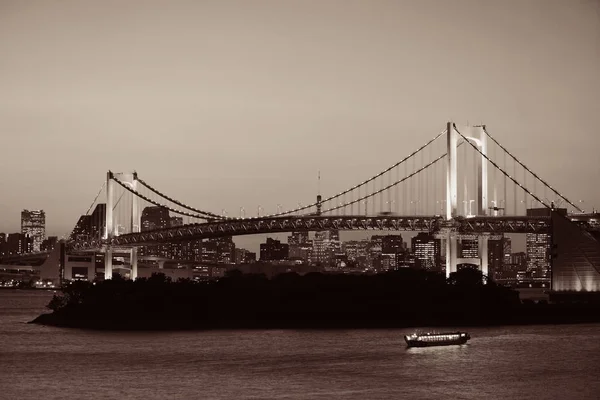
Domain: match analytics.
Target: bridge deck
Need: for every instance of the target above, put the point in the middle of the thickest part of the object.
(251, 226)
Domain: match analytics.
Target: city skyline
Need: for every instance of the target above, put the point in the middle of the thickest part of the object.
(361, 110)
(293, 198)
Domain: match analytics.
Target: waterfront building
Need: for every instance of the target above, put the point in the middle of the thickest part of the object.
(243, 256)
(496, 256)
(225, 249)
(538, 246)
(300, 247)
(82, 230)
(273, 250)
(427, 251)
(18, 243)
(50, 243)
(155, 217)
(33, 224)
(327, 247)
(98, 221)
(507, 249)
(468, 248)
(392, 251)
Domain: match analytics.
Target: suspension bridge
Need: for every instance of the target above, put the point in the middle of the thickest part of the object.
(461, 183)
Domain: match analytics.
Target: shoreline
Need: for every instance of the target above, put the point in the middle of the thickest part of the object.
(397, 299)
(584, 316)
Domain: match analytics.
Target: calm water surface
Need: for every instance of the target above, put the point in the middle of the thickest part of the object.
(524, 362)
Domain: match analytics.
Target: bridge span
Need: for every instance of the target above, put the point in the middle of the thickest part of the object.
(461, 182)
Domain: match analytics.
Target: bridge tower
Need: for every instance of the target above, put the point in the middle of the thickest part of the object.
(129, 179)
(135, 226)
(108, 253)
(477, 135)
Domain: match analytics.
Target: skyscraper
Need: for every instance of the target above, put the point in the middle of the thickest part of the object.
(98, 221)
(326, 247)
(392, 248)
(496, 256)
(538, 246)
(468, 248)
(19, 243)
(507, 250)
(427, 251)
(225, 249)
(155, 218)
(152, 218)
(33, 224)
(357, 252)
(300, 247)
(83, 228)
(273, 250)
(50, 243)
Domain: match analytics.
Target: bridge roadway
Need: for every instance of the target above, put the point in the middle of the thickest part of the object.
(251, 226)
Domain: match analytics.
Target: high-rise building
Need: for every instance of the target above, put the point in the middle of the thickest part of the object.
(273, 250)
(83, 228)
(33, 224)
(152, 218)
(538, 246)
(208, 252)
(538, 251)
(355, 249)
(243, 256)
(98, 221)
(334, 240)
(319, 253)
(176, 250)
(496, 257)
(92, 226)
(300, 247)
(50, 243)
(225, 250)
(507, 250)
(155, 217)
(327, 248)
(392, 244)
(427, 251)
(518, 261)
(375, 254)
(19, 243)
(392, 250)
(298, 237)
(468, 248)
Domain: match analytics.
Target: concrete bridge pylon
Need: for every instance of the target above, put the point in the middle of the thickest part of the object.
(477, 135)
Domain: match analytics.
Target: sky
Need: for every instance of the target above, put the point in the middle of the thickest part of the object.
(223, 104)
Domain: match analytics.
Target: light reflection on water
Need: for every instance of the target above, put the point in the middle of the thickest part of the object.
(524, 362)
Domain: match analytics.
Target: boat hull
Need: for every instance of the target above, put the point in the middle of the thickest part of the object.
(420, 343)
(437, 339)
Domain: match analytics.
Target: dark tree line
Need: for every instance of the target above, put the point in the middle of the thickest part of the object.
(400, 298)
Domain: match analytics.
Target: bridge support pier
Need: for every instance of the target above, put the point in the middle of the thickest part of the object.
(451, 254)
(483, 254)
(108, 256)
(134, 263)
